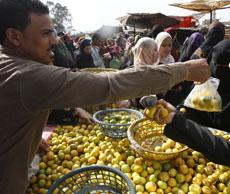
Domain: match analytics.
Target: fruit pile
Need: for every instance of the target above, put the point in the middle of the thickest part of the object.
(82, 145)
(168, 146)
(149, 135)
(150, 111)
(206, 103)
(120, 117)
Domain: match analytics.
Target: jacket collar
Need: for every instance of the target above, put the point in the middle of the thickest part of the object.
(13, 52)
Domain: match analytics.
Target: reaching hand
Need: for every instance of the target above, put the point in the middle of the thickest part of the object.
(171, 112)
(87, 117)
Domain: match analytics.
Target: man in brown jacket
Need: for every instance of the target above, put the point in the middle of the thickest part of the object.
(29, 87)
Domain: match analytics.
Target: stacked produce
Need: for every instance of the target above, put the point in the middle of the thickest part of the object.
(120, 117)
(150, 111)
(115, 122)
(82, 145)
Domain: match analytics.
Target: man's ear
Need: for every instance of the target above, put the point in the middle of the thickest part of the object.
(14, 36)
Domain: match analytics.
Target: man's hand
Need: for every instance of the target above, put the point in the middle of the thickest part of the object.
(197, 70)
(87, 117)
(171, 112)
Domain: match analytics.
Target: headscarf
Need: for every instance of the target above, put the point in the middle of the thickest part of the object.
(219, 60)
(215, 34)
(84, 43)
(159, 40)
(143, 50)
(190, 45)
(79, 40)
(220, 55)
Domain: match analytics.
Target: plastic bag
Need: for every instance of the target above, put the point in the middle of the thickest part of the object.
(205, 97)
(115, 63)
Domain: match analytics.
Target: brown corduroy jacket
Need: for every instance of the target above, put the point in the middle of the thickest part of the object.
(29, 89)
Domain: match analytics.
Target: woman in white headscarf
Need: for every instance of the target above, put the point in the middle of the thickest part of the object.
(145, 52)
(164, 44)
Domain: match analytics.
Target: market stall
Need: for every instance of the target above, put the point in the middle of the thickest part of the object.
(109, 31)
(147, 20)
(164, 169)
(205, 6)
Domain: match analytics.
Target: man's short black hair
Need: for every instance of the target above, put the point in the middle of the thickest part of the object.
(15, 14)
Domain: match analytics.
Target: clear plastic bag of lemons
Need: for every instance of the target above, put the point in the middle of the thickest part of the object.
(205, 97)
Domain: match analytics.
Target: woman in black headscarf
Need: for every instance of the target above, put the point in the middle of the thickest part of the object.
(84, 58)
(219, 60)
(215, 35)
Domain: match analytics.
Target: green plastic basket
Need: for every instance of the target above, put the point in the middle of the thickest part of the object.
(93, 180)
(115, 130)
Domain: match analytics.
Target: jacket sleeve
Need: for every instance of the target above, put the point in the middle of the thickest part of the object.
(218, 120)
(199, 138)
(44, 87)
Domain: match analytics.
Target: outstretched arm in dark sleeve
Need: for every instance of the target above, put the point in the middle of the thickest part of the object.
(199, 138)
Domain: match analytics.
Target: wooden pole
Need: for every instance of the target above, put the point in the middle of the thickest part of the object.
(210, 16)
(134, 33)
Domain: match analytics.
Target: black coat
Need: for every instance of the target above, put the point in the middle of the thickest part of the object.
(219, 60)
(199, 138)
(84, 61)
(61, 60)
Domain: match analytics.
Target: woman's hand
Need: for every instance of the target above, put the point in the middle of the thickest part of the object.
(171, 112)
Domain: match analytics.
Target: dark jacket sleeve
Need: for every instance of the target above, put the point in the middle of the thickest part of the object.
(199, 138)
(218, 120)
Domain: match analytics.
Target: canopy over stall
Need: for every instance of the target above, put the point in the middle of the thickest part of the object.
(147, 20)
(204, 6)
(109, 31)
